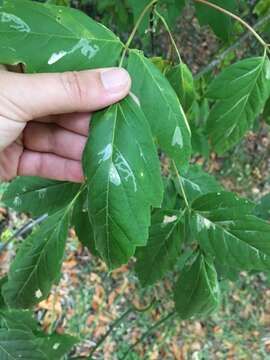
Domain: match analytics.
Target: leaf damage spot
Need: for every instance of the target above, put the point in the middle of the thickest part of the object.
(106, 153)
(56, 57)
(42, 193)
(169, 219)
(203, 223)
(123, 167)
(84, 45)
(135, 99)
(16, 22)
(178, 138)
(114, 176)
(56, 346)
(17, 201)
(38, 294)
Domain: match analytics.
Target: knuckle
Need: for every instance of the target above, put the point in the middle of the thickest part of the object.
(73, 87)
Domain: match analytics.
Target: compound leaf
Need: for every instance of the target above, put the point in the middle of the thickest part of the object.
(162, 108)
(224, 228)
(124, 180)
(241, 91)
(38, 263)
(163, 247)
(197, 291)
(58, 38)
(39, 196)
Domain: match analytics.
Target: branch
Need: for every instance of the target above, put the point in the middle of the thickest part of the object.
(23, 230)
(112, 327)
(234, 46)
(151, 329)
(133, 33)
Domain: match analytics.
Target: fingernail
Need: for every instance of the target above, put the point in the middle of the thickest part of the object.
(115, 79)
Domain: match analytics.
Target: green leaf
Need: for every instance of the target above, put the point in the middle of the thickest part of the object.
(37, 264)
(162, 108)
(171, 10)
(18, 344)
(262, 7)
(266, 112)
(55, 346)
(124, 180)
(160, 254)
(219, 22)
(81, 221)
(58, 38)
(137, 7)
(224, 228)
(197, 182)
(170, 195)
(18, 320)
(39, 196)
(197, 291)
(181, 79)
(241, 91)
(3, 280)
(262, 210)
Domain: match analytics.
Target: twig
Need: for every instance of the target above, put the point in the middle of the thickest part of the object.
(23, 230)
(170, 34)
(133, 33)
(234, 46)
(151, 329)
(112, 327)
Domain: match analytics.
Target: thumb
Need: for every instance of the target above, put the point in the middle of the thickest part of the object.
(40, 95)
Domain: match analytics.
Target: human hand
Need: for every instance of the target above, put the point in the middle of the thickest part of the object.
(44, 119)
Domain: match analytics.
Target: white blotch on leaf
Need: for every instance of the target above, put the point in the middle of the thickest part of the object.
(123, 167)
(56, 346)
(87, 49)
(38, 294)
(16, 22)
(106, 153)
(177, 137)
(114, 176)
(203, 223)
(42, 193)
(56, 57)
(267, 70)
(169, 219)
(135, 99)
(17, 201)
(84, 45)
